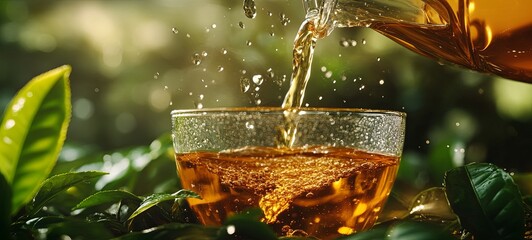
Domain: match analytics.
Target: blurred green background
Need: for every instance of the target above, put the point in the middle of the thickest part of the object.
(135, 61)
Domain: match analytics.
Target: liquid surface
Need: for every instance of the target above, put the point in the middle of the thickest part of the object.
(319, 191)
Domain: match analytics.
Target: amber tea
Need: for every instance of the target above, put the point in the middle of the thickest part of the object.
(317, 191)
(333, 179)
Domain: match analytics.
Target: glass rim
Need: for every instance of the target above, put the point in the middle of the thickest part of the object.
(225, 110)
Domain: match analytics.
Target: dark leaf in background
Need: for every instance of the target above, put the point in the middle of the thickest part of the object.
(5, 207)
(247, 225)
(78, 229)
(173, 231)
(487, 201)
(402, 230)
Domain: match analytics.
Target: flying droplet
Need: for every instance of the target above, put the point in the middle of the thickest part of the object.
(220, 69)
(213, 25)
(223, 51)
(344, 43)
(175, 30)
(258, 79)
(248, 43)
(284, 19)
(250, 10)
(270, 72)
(381, 82)
(204, 54)
(196, 59)
(244, 84)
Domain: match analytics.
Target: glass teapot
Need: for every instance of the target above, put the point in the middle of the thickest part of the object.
(490, 36)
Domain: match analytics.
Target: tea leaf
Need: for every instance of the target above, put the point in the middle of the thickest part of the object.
(247, 225)
(78, 229)
(487, 201)
(32, 133)
(155, 199)
(173, 231)
(105, 197)
(402, 230)
(58, 183)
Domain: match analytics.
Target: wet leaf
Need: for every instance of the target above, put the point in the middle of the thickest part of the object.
(58, 183)
(487, 201)
(402, 230)
(173, 231)
(32, 133)
(108, 197)
(155, 199)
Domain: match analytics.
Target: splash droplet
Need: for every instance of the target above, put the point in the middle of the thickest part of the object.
(250, 10)
(258, 79)
(284, 19)
(196, 59)
(244, 84)
(270, 72)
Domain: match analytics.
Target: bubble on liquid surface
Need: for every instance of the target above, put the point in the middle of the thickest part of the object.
(241, 25)
(244, 84)
(250, 10)
(258, 79)
(250, 125)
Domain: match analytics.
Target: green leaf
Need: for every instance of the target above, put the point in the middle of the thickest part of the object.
(487, 201)
(155, 199)
(247, 225)
(32, 133)
(78, 229)
(402, 230)
(106, 197)
(173, 231)
(58, 183)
